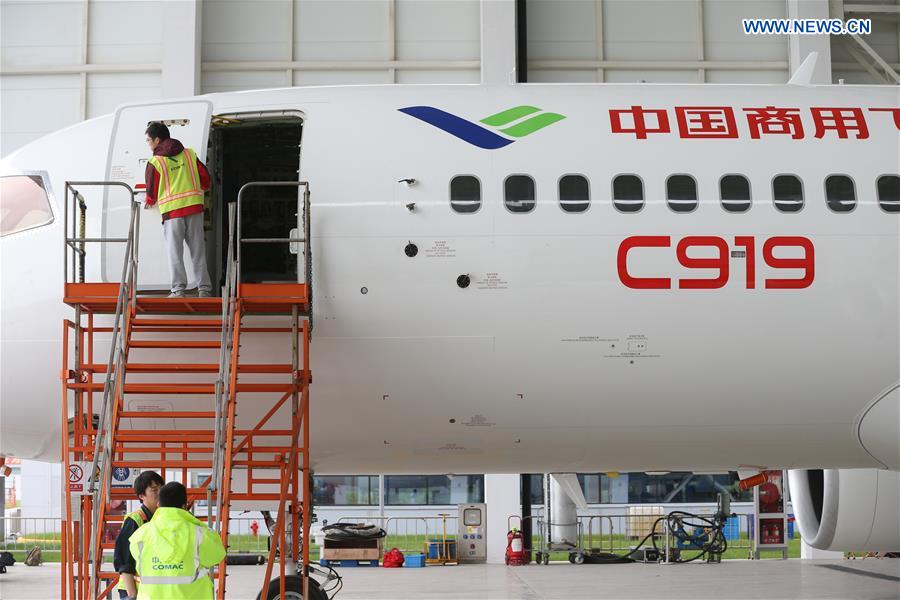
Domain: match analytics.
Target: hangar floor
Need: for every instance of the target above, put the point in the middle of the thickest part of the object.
(860, 579)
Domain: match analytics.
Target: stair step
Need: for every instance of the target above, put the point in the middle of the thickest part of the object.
(160, 368)
(174, 343)
(170, 388)
(184, 388)
(190, 368)
(188, 323)
(167, 414)
(138, 435)
(152, 388)
(192, 492)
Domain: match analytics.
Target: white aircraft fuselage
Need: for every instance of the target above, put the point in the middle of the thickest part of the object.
(585, 341)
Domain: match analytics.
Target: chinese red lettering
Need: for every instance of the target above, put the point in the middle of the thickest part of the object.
(774, 121)
(639, 121)
(895, 111)
(706, 122)
(718, 122)
(841, 120)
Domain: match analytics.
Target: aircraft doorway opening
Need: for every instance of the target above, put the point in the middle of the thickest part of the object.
(257, 147)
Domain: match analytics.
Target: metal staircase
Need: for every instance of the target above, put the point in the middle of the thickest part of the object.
(149, 417)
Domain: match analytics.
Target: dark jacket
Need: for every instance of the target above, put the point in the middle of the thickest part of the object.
(123, 562)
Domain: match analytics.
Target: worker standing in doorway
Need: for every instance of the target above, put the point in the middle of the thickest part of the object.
(175, 550)
(176, 180)
(146, 486)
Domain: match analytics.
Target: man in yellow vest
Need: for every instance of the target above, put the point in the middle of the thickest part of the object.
(175, 550)
(146, 487)
(176, 180)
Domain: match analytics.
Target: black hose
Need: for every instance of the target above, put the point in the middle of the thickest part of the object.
(333, 582)
(245, 559)
(675, 521)
(352, 531)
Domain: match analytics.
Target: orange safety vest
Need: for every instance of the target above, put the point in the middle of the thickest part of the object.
(179, 181)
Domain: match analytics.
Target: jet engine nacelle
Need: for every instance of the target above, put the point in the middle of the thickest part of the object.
(851, 510)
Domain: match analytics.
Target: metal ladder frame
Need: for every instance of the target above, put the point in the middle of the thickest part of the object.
(101, 457)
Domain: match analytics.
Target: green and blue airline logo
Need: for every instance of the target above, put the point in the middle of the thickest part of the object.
(512, 123)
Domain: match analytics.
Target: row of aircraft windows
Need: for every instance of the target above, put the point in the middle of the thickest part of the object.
(681, 193)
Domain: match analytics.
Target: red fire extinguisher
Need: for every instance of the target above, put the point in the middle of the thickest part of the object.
(515, 548)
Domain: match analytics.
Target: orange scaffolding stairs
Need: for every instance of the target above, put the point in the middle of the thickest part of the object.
(170, 396)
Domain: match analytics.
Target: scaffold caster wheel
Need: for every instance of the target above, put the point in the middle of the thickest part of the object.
(547, 558)
(576, 558)
(293, 589)
(537, 558)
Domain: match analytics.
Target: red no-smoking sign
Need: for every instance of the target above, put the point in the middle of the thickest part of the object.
(76, 479)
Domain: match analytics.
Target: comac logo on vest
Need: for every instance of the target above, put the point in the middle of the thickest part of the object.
(158, 566)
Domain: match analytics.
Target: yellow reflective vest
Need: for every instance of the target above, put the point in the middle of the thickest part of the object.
(173, 554)
(179, 181)
(140, 518)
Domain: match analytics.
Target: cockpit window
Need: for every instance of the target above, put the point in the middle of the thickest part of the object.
(23, 204)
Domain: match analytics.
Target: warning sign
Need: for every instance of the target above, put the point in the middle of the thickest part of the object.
(78, 481)
(123, 477)
(79, 478)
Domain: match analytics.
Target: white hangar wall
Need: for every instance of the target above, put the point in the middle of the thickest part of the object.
(64, 61)
(657, 41)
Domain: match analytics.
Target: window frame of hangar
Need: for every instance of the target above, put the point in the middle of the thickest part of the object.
(749, 192)
(696, 194)
(612, 185)
(828, 202)
(603, 481)
(559, 202)
(388, 500)
(373, 482)
(881, 203)
(802, 194)
(506, 199)
(480, 193)
(48, 196)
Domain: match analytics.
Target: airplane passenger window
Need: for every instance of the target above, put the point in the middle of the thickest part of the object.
(734, 191)
(628, 193)
(574, 193)
(840, 193)
(889, 193)
(25, 204)
(519, 190)
(681, 193)
(465, 194)
(787, 193)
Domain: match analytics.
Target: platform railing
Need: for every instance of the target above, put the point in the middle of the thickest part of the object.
(223, 381)
(303, 224)
(76, 241)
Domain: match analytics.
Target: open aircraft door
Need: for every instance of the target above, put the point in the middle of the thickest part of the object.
(189, 122)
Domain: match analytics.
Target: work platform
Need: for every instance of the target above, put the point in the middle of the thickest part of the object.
(178, 372)
(257, 298)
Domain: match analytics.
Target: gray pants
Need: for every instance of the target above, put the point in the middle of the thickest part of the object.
(187, 229)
